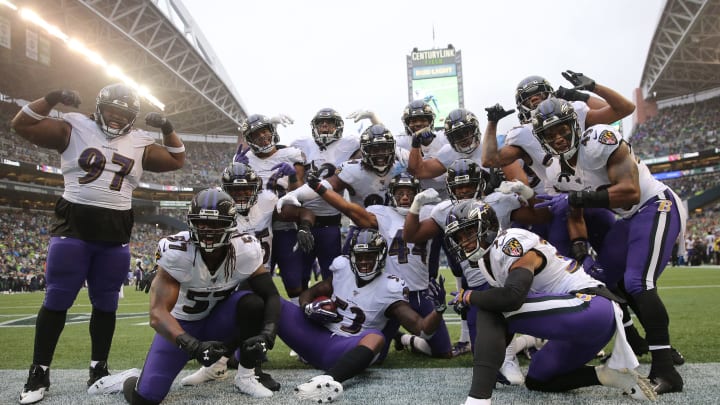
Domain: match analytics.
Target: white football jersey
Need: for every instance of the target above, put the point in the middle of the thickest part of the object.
(406, 260)
(332, 157)
(364, 186)
(503, 205)
(363, 307)
(199, 290)
(99, 170)
(429, 152)
(258, 222)
(559, 275)
(447, 155)
(595, 148)
(263, 168)
(523, 138)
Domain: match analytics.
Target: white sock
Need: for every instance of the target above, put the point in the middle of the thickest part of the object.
(522, 342)
(93, 363)
(476, 401)
(510, 352)
(416, 344)
(464, 331)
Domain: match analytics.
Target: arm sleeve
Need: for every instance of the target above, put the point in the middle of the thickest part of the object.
(510, 297)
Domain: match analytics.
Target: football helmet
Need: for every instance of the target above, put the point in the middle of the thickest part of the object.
(402, 180)
(368, 251)
(325, 139)
(242, 184)
(418, 108)
(468, 220)
(527, 88)
(116, 109)
(250, 129)
(211, 219)
(377, 146)
(462, 130)
(465, 172)
(554, 113)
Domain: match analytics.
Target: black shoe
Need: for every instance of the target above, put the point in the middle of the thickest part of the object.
(669, 381)
(397, 342)
(37, 383)
(266, 380)
(99, 371)
(678, 358)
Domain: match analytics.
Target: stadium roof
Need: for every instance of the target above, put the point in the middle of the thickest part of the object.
(156, 43)
(684, 55)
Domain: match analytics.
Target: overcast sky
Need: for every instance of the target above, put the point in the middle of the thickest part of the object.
(295, 57)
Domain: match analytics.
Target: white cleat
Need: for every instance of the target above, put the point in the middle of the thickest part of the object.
(246, 383)
(112, 384)
(320, 389)
(629, 381)
(216, 372)
(510, 369)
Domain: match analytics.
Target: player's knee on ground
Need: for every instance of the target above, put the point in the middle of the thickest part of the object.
(132, 396)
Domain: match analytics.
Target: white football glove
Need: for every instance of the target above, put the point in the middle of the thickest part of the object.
(282, 119)
(429, 196)
(288, 198)
(362, 114)
(517, 187)
(297, 197)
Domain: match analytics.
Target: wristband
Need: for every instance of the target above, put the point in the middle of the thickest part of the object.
(167, 128)
(589, 199)
(416, 143)
(175, 149)
(32, 114)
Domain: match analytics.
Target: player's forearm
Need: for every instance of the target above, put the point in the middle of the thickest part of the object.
(490, 156)
(619, 104)
(410, 227)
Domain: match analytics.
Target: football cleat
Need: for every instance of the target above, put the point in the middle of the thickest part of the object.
(266, 380)
(215, 372)
(320, 389)
(461, 348)
(629, 381)
(112, 384)
(397, 342)
(669, 381)
(677, 357)
(246, 383)
(99, 371)
(37, 384)
(510, 373)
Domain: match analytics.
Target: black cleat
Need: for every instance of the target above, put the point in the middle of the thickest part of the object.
(37, 384)
(266, 380)
(99, 371)
(397, 342)
(677, 357)
(667, 382)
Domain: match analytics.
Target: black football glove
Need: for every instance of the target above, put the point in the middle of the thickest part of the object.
(65, 97)
(579, 80)
(436, 294)
(497, 112)
(206, 353)
(305, 239)
(313, 180)
(571, 94)
(158, 120)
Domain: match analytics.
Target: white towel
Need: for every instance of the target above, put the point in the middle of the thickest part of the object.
(622, 354)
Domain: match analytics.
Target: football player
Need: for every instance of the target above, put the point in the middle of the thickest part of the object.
(407, 261)
(346, 342)
(103, 158)
(597, 169)
(196, 308)
(281, 169)
(325, 151)
(541, 293)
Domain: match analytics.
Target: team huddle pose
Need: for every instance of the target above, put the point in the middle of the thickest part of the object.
(537, 232)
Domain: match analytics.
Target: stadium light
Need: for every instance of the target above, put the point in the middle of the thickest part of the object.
(8, 4)
(90, 55)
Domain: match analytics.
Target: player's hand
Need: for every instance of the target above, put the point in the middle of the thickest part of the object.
(64, 97)
(571, 94)
(461, 300)
(497, 112)
(315, 312)
(305, 238)
(282, 119)
(288, 198)
(429, 196)
(579, 80)
(206, 353)
(436, 294)
(557, 204)
(155, 119)
(517, 187)
(363, 114)
(241, 155)
(313, 180)
(423, 136)
(284, 169)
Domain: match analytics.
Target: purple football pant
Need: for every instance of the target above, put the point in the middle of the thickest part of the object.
(599, 221)
(440, 342)
(638, 248)
(165, 359)
(312, 341)
(327, 248)
(294, 274)
(71, 261)
(576, 328)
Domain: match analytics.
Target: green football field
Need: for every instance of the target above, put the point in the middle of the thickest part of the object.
(690, 295)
